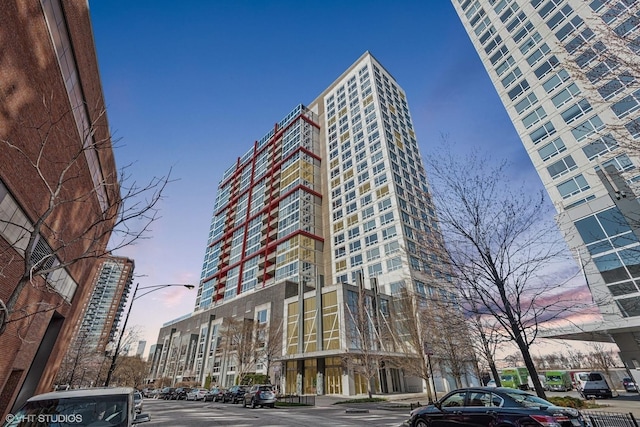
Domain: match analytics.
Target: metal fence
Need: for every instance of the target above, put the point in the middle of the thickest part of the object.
(308, 399)
(610, 419)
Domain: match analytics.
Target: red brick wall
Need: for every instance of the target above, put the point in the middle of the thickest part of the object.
(32, 98)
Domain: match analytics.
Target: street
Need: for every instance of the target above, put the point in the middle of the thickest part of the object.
(189, 413)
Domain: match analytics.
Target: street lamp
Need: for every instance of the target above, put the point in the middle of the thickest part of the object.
(148, 289)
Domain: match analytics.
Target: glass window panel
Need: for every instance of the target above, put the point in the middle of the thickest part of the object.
(611, 268)
(613, 222)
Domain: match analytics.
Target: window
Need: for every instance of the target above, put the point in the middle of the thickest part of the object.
(546, 67)
(542, 132)
(587, 128)
(551, 149)
(505, 65)
(573, 186)
(371, 239)
(575, 23)
(389, 232)
(526, 103)
(576, 111)
(373, 254)
(523, 32)
(369, 225)
(518, 90)
(354, 232)
(538, 54)
(391, 247)
(621, 163)
(386, 218)
(555, 81)
(530, 43)
(561, 167)
(575, 43)
(616, 85)
(559, 17)
(549, 7)
(565, 95)
(601, 70)
(534, 117)
(600, 146)
(511, 77)
(627, 105)
(394, 263)
(355, 246)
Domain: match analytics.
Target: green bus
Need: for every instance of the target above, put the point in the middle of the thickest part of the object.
(558, 380)
(515, 378)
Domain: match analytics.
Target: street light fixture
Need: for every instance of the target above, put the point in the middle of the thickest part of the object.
(148, 289)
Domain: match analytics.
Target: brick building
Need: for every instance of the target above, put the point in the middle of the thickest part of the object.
(51, 111)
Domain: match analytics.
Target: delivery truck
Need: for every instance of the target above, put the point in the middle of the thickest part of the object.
(558, 380)
(515, 378)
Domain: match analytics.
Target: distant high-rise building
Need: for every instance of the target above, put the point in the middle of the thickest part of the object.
(141, 347)
(106, 305)
(564, 70)
(328, 205)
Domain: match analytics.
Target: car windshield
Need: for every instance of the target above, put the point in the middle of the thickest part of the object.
(264, 388)
(554, 378)
(78, 411)
(528, 400)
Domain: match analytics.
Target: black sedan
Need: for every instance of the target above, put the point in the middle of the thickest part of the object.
(504, 407)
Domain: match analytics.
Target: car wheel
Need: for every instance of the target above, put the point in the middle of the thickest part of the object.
(244, 403)
(272, 405)
(253, 404)
(421, 423)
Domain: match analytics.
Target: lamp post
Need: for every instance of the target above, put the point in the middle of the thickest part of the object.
(148, 289)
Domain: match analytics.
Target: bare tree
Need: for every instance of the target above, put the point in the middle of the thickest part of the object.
(238, 341)
(601, 359)
(131, 371)
(500, 244)
(486, 339)
(269, 345)
(113, 209)
(409, 318)
(80, 362)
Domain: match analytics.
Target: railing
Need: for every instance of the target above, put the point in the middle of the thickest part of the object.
(610, 419)
(306, 399)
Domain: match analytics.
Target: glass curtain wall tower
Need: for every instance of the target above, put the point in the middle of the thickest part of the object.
(325, 210)
(564, 70)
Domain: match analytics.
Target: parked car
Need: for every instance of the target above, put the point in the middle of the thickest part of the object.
(166, 393)
(214, 395)
(138, 402)
(491, 384)
(180, 393)
(629, 384)
(592, 384)
(113, 406)
(235, 394)
(484, 406)
(260, 395)
(196, 394)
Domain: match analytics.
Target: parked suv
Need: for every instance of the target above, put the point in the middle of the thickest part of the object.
(235, 394)
(260, 395)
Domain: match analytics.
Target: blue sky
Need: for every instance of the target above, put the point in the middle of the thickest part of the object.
(191, 85)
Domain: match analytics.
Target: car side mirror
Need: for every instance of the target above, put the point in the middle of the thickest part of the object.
(141, 418)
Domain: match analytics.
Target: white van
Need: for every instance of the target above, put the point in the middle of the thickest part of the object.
(592, 384)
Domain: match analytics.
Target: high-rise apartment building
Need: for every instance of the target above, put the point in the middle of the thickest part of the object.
(106, 305)
(330, 204)
(564, 71)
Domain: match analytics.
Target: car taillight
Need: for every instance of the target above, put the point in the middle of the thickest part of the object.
(546, 420)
